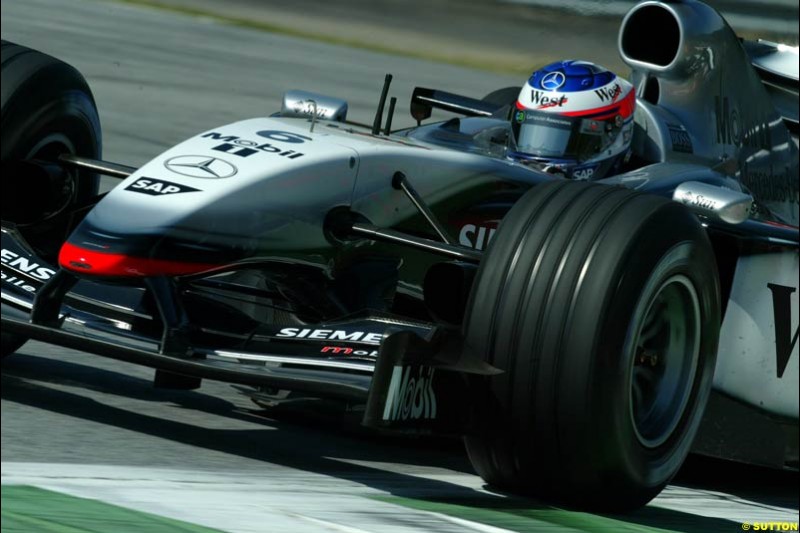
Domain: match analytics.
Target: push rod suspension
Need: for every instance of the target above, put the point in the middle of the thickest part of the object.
(113, 170)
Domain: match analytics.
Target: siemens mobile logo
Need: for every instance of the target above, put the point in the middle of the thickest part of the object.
(330, 335)
(345, 350)
(23, 265)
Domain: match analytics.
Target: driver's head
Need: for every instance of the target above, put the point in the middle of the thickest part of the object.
(575, 117)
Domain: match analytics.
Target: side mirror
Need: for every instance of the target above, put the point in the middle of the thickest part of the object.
(715, 202)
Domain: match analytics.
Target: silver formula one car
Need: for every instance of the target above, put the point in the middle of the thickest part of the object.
(572, 332)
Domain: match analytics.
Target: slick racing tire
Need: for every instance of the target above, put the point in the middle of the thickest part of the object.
(601, 306)
(46, 109)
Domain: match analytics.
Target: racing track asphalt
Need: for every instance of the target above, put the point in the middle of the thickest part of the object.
(159, 78)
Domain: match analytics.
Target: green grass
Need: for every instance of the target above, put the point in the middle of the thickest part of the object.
(528, 516)
(31, 509)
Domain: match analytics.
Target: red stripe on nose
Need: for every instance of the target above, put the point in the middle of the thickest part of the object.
(94, 263)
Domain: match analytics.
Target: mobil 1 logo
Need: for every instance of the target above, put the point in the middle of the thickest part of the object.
(411, 395)
(154, 187)
(235, 145)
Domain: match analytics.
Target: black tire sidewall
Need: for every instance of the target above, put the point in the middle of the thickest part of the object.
(652, 468)
(580, 446)
(43, 97)
(49, 98)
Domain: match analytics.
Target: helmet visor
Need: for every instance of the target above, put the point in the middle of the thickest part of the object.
(548, 135)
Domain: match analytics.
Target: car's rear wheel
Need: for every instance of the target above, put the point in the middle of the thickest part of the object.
(601, 305)
(46, 109)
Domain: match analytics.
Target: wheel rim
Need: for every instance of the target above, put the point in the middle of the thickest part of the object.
(664, 355)
(49, 149)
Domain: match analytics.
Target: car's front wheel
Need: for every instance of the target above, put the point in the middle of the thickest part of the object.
(46, 109)
(601, 305)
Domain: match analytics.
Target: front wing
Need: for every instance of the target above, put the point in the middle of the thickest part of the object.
(411, 377)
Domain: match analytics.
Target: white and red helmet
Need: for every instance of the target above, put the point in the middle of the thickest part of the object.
(575, 117)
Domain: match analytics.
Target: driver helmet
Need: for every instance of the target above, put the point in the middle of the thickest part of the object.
(574, 118)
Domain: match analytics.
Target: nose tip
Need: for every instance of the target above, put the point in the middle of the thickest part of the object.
(100, 262)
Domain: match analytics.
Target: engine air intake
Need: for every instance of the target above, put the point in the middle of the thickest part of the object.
(651, 34)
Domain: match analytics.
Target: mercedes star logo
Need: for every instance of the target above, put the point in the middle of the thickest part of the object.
(553, 81)
(200, 166)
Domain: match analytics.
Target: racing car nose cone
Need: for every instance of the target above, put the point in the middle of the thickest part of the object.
(99, 263)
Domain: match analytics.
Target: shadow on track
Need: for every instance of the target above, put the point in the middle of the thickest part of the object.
(34, 381)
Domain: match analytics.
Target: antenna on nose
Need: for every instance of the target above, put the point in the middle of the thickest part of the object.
(376, 124)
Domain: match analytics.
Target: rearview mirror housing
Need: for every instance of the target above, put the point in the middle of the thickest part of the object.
(298, 103)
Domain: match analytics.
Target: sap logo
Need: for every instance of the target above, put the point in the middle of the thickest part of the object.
(782, 309)
(237, 146)
(154, 187)
(607, 94)
(543, 101)
(476, 237)
(330, 335)
(410, 396)
(24, 265)
(584, 173)
(343, 350)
